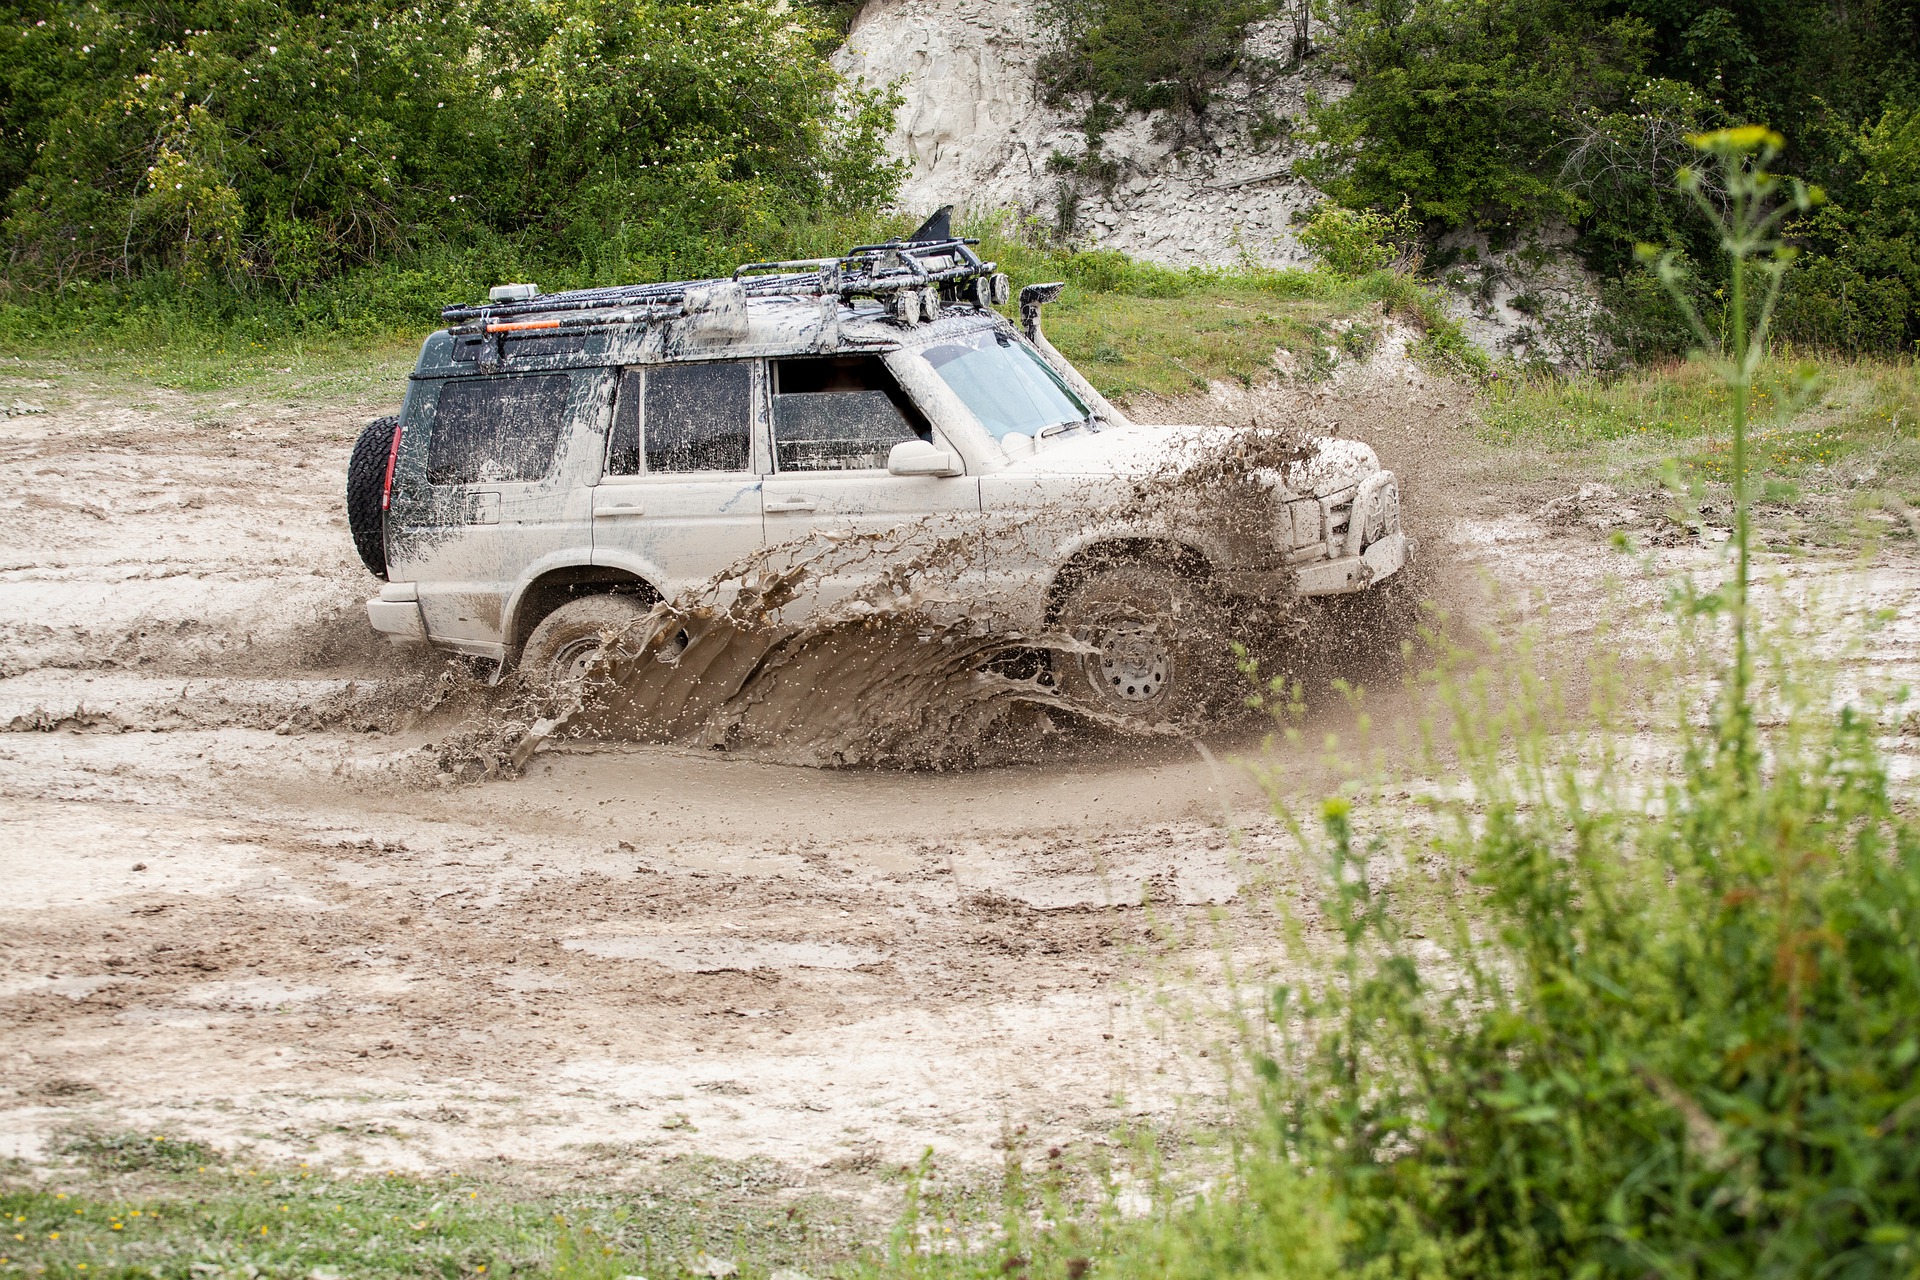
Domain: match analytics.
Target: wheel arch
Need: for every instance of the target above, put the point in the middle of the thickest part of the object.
(549, 590)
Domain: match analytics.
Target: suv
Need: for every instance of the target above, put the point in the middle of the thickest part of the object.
(563, 463)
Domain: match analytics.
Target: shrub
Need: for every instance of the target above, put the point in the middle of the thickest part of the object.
(1354, 242)
(261, 142)
(1660, 1013)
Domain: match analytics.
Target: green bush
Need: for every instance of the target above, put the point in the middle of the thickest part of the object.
(1666, 1021)
(1354, 242)
(1172, 56)
(262, 144)
(1510, 114)
(1859, 288)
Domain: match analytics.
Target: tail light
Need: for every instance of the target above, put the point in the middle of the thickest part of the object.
(393, 456)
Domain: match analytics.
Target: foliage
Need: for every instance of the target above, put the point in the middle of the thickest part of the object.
(1510, 114)
(1669, 1026)
(1859, 288)
(1171, 56)
(1748, 232)
(264, 143)
(1663, 1019)
(1353, 242)
(1459, 114)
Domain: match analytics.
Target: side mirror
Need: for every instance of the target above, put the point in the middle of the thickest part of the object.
(920, 458)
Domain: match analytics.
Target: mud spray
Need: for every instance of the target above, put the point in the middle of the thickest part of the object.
(917, 668)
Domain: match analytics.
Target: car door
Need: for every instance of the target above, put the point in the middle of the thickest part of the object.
(830, 497)
(679, 499)
(498, 470)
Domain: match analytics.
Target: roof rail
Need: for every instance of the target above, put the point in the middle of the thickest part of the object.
(866, 271)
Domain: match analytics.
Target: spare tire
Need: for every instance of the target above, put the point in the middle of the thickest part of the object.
(366, 486)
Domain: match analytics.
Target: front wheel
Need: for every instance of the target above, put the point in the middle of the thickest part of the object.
(563, 648)
(1153, 648)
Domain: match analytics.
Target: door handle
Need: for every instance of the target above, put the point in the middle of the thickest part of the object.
(792, 504)
(620, 509)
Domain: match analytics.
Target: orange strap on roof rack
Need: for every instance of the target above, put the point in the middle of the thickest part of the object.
(524, 324)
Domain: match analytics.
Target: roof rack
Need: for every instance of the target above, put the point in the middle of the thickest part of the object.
(882, 271)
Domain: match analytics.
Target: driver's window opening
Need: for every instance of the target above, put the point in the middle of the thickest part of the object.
(840, 413)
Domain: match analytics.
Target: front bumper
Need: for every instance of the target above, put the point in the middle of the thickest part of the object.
(1355, 573)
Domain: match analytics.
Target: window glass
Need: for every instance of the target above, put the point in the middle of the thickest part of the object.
(698, 417)
(839, 414)
(495, 430)
(1006, 383)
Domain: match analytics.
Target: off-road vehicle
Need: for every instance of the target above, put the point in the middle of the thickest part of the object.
(563, 462)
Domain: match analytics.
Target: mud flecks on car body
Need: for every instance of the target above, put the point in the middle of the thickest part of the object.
(565, 461)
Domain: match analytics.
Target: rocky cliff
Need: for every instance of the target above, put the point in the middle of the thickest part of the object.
(979, 137)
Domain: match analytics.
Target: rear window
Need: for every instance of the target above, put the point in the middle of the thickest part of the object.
(497, 430)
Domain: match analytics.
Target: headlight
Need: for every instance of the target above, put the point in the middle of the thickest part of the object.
(1383, 517)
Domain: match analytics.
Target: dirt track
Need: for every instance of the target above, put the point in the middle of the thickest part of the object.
(233, 909)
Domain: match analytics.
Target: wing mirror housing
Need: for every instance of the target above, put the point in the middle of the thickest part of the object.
(920, 458)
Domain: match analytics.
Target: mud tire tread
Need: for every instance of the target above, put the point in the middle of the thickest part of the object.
(366, 481)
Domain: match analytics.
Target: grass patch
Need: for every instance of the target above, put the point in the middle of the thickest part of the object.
(1134, 327)
(1852, 426)
(127, 1152)
(1130, 326)
(146, 1215)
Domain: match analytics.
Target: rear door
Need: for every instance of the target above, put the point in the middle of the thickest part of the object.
(830, 497)
(679, 499)
(494, 480)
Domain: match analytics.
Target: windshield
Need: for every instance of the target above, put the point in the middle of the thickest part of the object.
(1006, 384)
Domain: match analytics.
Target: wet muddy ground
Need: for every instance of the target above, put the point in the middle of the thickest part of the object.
(238, 903)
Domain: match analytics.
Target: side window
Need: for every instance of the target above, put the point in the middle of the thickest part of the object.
(839, 413)
(495, 430)
(693, 417)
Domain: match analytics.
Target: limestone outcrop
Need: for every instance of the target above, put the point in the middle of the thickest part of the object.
(979, 137)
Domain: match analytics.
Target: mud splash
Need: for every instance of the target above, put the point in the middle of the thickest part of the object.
(915, 664)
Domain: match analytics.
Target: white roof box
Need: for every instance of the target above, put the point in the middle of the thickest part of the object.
(513, 292)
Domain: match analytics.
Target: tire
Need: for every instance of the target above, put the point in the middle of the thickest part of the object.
(572, 636)
(366, 485)
(1161, 649)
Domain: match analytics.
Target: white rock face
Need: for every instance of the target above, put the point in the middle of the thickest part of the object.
(979, 137)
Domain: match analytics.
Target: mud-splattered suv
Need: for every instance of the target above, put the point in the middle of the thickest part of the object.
(564, 462)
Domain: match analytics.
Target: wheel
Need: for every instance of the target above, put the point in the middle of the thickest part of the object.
(566, 642)
(1159, 652)
(366, 486)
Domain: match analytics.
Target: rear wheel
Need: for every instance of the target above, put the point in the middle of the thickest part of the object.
(563, 648)
(1156, 651)
(366, 488)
